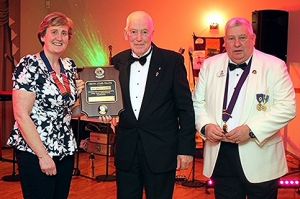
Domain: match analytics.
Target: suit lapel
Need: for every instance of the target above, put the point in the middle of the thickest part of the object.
(125, 75)
(153, 78)
(220, 78)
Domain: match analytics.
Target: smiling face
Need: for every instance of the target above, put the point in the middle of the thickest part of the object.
(139, 32)
(55, 23)
(56, 39)
(239, 42)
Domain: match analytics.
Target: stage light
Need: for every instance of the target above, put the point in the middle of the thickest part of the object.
(289, 183)
(282, 183)
(214, 26)
(209, 183)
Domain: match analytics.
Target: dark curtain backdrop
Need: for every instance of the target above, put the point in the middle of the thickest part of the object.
(7, 52)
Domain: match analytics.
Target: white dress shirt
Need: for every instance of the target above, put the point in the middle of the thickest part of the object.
(137, 83)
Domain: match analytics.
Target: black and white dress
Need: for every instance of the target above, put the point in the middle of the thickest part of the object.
(51, 112)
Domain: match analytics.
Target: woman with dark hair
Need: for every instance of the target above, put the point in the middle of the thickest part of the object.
(45, 88)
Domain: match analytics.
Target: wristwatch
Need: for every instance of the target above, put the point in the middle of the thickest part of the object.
(251, 134)
(203, 129)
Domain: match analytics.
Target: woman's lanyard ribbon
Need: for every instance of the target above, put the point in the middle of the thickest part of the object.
(63, 88)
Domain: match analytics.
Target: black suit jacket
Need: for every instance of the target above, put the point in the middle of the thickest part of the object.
(166, 123)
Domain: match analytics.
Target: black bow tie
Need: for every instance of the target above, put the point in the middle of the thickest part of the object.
(142, 60)
(233, 66)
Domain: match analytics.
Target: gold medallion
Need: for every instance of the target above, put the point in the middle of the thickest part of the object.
(263, 107)
(225, 128)
(259, 107)
(102, 109)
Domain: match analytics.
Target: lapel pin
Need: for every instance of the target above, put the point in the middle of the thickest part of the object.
(220, 74)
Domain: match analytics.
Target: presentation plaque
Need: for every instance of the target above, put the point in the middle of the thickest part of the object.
(102, 94)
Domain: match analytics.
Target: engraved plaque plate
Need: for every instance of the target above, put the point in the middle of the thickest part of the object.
(102, 94)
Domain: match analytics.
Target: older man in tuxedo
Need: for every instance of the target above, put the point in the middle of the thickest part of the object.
(156, 131)
(242, 99)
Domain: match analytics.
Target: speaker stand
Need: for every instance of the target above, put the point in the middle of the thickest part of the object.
(76, 170)
(14, 177)
(107, 177)
(2, 159)
(193, 183)
(180, 178)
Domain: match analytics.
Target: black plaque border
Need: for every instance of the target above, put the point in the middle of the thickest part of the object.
(89, 74)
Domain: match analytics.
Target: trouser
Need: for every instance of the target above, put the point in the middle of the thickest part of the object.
(37, 185)
(130, 183)
(230, 181)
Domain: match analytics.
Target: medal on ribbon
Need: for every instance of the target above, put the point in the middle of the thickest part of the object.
(265, 100)
(262, 99)
(225, 127)
(228, 108)
(259, 98)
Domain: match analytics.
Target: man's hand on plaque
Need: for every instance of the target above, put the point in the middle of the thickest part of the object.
(105, 119)
(109, 119)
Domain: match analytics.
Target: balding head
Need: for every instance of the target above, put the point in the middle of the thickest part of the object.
(139, 32)
(238, 21)
(141, 16)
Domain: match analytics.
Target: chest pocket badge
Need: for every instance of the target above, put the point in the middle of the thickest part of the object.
(262, 99)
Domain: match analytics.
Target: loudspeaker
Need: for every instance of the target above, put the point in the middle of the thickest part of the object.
(271, 29)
